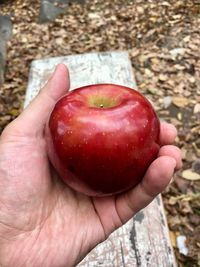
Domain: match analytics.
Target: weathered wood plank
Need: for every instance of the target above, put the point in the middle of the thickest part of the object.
(144, 240)
(84, 69)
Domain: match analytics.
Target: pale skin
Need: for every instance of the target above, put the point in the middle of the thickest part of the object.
(44, 223)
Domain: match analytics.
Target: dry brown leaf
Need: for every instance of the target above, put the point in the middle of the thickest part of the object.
(190, 175)
(161, 36)
(173, 236)
(163, 77)
(197, 150)
(180, 101)
(197, 108)
(172, 201)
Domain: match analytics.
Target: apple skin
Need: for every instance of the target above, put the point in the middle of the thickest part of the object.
(102, 138)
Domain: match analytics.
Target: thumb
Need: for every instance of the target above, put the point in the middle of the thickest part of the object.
(32, 120)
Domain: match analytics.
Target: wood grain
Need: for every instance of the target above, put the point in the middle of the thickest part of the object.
(144, 240)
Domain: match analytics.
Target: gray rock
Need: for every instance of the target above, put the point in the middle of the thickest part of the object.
(5, 27)
(51, 9)
(5, 34)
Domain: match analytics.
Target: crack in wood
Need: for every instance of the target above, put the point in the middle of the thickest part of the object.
(148, 257)
(122, 253)
(152, 245)
(133, 240)
(158, 200)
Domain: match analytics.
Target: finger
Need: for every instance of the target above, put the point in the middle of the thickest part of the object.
(168, 133)
(34, 117)
(173, 152)
(154, 182)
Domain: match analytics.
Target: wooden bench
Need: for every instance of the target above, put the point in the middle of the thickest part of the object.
(144, 240)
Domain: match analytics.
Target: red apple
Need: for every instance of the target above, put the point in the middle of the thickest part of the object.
(102, 138)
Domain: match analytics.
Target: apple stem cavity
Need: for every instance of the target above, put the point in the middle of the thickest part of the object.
(99, 101)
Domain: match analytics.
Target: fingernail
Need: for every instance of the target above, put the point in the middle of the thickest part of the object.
(53, 73)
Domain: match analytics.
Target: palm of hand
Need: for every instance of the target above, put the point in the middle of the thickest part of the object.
(42, 221)
(42, 211)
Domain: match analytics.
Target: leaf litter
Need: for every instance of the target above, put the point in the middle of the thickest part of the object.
(163, 41)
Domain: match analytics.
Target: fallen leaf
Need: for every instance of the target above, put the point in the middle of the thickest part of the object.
(140, 9)
(94, 16)
(197, 150)
(149, 31)
(148, 72)
(195, 219)
(177, 51)
(173, 236)
(152, 91)
(180, 101)
(197, 108)
(14, 112)
(186, 39)
(174, 221)
(182, 184)
(190, 156)
(190, 175)
(172, 201)
(185, 207)
(163, 77)
(192, 80)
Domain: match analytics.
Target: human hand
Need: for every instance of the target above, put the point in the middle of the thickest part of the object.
(45, 223)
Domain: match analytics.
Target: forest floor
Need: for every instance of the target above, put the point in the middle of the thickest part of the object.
(163, 41)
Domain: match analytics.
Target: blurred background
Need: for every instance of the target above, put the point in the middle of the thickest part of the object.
(163, 41)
